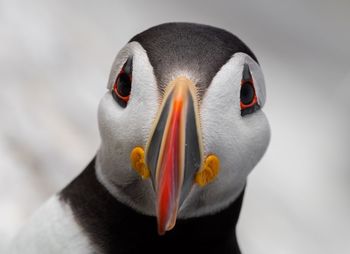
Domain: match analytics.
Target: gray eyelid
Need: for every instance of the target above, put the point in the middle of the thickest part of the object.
(246, 75)
(257, 77)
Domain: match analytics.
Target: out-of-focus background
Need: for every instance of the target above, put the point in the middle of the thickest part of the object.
(55, 58)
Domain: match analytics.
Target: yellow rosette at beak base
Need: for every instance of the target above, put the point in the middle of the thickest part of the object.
(137, 158)
(209, 171)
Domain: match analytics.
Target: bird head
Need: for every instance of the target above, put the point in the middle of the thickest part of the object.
(182, 123)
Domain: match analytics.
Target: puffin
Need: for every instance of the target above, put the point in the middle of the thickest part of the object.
(181, 127)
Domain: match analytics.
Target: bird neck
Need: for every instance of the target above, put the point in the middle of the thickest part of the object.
(116, 228)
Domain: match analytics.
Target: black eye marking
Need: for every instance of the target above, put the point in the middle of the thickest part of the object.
(122, 85)
(249, 100)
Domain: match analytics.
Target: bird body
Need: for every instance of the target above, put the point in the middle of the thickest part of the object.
(52, 229)
(181, 128)
(85, 218)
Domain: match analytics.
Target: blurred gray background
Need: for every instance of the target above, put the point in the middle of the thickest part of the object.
(55, 58)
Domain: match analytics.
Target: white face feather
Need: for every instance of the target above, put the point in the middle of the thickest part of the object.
(238, 141)
(122, 129)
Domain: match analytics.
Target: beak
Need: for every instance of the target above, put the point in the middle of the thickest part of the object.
(174, 151)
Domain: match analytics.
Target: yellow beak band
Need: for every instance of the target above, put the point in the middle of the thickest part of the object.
(137, 158)
(209, 171)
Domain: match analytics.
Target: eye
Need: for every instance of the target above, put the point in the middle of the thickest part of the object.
(247, 94)
(122, 85)
(249, 101)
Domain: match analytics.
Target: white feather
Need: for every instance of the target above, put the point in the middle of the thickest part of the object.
(52, 229)
(238, 141)
(124, 128)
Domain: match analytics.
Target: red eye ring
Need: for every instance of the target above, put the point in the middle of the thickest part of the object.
(244, 106)
(117, 83)
(248, 98)
(122, 88)
(248, 85)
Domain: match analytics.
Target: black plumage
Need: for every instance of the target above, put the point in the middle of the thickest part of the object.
(195, 49)
(115, 228)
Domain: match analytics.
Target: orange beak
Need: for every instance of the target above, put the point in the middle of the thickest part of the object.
(174, 152)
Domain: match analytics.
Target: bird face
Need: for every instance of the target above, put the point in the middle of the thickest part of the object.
(178, 138)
